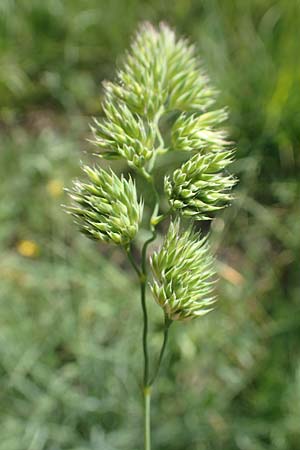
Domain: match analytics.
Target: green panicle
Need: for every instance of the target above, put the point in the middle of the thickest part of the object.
(200, 186)
(183, 274)
(106, 208)
(197, 132)
(160, 73)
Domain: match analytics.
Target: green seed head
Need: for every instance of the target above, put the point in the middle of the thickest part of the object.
(161, 71)
(106, 207)
(123, 134)
(197, 132)
(183, 274)
(200, 185)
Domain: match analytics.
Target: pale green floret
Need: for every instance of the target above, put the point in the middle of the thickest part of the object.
(161, 72)
(183, 275)
(194, 132)
(141, 80)
(124, 134)
(200, 185)
(186, 84)
(106, 208)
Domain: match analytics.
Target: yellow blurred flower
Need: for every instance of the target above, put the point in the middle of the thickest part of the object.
(55, 188)
(88, 314)
(28, 248)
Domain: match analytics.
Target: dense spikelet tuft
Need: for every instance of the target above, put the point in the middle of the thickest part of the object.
(200, 185)
(161, 71)
(141, 79)
(183, 274)
(124, 134)
(187, 84)
(159, 74)
(106, 208)
(197, 132)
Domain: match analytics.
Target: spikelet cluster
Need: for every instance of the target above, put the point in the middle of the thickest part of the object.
(159, 74)
(124, 134)
(106, 207)
(200, 185)
(197, 132)
(161, 71)
(183, 274)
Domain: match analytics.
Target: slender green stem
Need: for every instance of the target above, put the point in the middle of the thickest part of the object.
(159, 138)
(144, 251)
(132, 261)
(143, 280)
(168, 322)
(156, 206)
(152, 225)
(147, 417)
(145, 330)
(142, 273)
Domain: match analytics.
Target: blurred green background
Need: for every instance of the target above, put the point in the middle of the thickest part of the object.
(70, 322)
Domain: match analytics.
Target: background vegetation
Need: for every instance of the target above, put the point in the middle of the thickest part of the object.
(70, 315)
